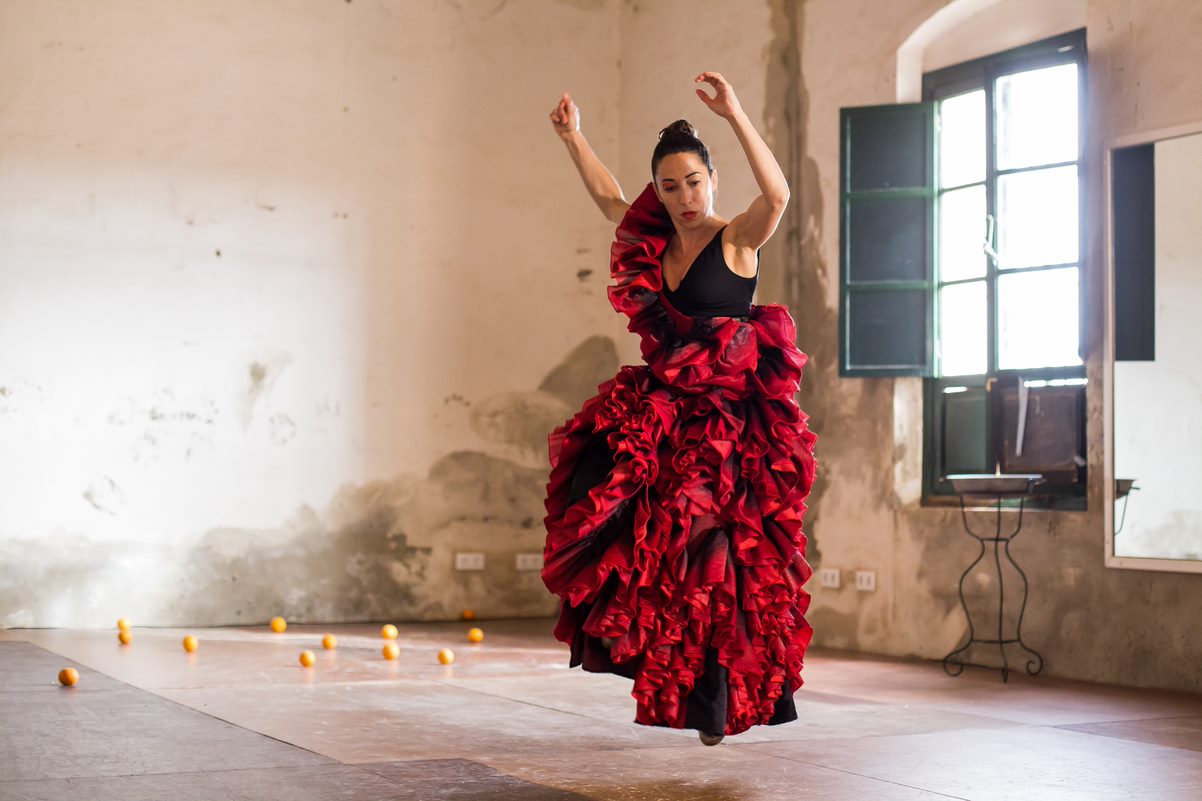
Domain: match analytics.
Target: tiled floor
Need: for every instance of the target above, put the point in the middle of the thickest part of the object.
(242, 719)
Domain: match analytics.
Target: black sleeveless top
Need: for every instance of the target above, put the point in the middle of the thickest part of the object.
(709, 287)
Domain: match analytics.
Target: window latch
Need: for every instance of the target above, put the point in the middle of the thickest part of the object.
(990, 243)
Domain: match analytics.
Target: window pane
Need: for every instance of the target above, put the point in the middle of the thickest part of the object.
(1036, 117)
(961, 233)
(962, 337)
(1037, 319)
(965, 417)
(1037, 218)
(962, 139)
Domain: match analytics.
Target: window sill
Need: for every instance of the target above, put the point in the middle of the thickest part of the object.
(1031, 503)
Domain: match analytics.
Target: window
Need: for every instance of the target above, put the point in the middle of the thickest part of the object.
(961, 262)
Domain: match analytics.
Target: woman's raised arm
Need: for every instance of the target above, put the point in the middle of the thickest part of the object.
(598, 180)
(753, 227)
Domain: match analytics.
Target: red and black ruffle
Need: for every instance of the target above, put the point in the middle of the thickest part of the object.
(713, 461)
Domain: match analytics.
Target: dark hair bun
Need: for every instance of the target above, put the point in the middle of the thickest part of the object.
(680, 129)
(680, 137)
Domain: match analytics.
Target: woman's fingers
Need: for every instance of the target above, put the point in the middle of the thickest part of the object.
(562, 111)
(723, 102)
(565, 114)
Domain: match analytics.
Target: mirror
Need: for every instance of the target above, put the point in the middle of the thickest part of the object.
(1154, 358)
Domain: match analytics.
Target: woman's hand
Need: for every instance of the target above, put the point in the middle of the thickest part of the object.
(723, 103)
(565, 116)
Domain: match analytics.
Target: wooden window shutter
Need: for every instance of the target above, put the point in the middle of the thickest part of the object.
(887, 240)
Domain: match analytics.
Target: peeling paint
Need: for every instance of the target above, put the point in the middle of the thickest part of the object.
(526, 418)
(262, 374)
(105, 496)
(283, 429)
(21, 395)
(518, 418)
(328, 407)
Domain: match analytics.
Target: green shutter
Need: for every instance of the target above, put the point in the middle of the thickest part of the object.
(886, 242)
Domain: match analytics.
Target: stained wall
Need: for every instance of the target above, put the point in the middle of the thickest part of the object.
(1089, 621)
(292, 294)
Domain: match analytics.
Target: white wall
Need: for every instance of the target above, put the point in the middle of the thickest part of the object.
(267, 265)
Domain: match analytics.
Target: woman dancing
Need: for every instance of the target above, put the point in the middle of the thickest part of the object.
(676, 494)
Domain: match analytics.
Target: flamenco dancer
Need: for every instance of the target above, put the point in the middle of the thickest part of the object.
(676, 494)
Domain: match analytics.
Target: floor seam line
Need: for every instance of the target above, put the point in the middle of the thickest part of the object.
(520, 701)
(866, 776)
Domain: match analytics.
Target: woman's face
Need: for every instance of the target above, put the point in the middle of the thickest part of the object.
(686, 188)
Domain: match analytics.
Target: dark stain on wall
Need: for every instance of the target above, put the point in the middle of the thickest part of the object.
(526, 418)
(518, 418)
(576, 378)
(263, 374)
(360, 559)
(377, 551)
(352, 563)
(384, 549)
(105, 496)
(793, 247)
(945, 552)
(841, 629)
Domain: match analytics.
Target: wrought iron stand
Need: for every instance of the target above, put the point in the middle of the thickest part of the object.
(953, 663)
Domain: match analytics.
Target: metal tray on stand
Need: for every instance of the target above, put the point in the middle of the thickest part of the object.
(994, 483)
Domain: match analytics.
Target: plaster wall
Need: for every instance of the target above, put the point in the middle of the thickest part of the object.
(1090, 622)
(293, 294)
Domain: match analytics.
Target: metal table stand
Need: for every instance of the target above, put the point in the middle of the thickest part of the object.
(999, 486)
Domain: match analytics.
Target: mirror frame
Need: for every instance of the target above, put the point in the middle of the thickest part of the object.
(1108, 471)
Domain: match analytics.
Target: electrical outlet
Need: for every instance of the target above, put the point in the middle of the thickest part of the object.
(469, 561)
(829, 577)
(529, 561)
(866, 581)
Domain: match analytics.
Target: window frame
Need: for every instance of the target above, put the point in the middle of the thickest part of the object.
(982, 73)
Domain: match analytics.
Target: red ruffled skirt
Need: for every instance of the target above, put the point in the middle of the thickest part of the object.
(675, 505)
